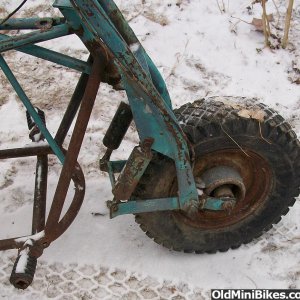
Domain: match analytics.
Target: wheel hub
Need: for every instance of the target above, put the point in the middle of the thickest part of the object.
(225, 173)
(222, 182)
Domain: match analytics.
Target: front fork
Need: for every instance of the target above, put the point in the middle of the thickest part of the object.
(131, 171)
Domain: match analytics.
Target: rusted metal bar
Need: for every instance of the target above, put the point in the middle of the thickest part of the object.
(34, 37)
(76, 174)
(30, 108)
(53, 56)
(30, 23)
(40, 194)
(9, 244)
(142, 206)
(135, 167)
(72, 107)
(52, 224)
(18, 242)
(70, 215)
(40, 239)
(25, 152)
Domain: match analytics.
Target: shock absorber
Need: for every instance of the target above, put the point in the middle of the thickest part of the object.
(116, 132)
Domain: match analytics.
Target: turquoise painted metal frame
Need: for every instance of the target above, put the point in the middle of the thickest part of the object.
(101, 27)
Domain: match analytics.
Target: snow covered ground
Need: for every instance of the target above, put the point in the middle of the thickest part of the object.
(201, 51)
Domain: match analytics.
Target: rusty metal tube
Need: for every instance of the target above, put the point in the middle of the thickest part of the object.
(25, 152)
(40, 194)
(52, 224)
(72, 107)
(9, 244)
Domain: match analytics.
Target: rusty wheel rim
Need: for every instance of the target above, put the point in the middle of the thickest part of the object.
(257, 178)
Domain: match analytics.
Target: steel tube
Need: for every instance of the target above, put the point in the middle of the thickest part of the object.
(43, 239)
(129, 36)
(28, 23)
(20, 92)
(40, 194)
(142, 206)
(70, 215)
(158, 81)
(34, 37)
(72, 107)
(119, 21)
(53, 56)
(9, 244)
(25, 152)
(74, 146)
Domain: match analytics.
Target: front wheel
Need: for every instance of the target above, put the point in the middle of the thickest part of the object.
(241, 135)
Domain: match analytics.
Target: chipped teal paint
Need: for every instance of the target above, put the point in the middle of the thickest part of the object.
(34, 37)
(130, 38)
(141, 206)
(158, 81)
(100, 23)
(172, 203)
(53, 56)
(27, 23)
(213, 204)
(153, 117)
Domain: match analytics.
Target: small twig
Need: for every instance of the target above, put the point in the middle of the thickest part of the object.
(234, 25)
(278, 13)
(233, 28)
(265, 23)
(224, 10)
(98, 214)
(287, 24)
(262, 135)
(241, 20)
(221, 11)
(255, 285)
(294, 238)
(233, 140)
(265, 17)
(178, 56)
(136, 15)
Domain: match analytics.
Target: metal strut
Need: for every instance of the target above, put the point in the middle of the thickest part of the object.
(47, 229)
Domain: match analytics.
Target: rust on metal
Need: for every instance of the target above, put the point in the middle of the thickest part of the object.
(42, 238)
(223, 181)
(52, 229)
(135, 167)
(104, 160)
(40, 194)
(44, 234)
(70, 215)
(25, 152)
(256, 176)
(44, 23)
(228, 206)
(72, 107)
